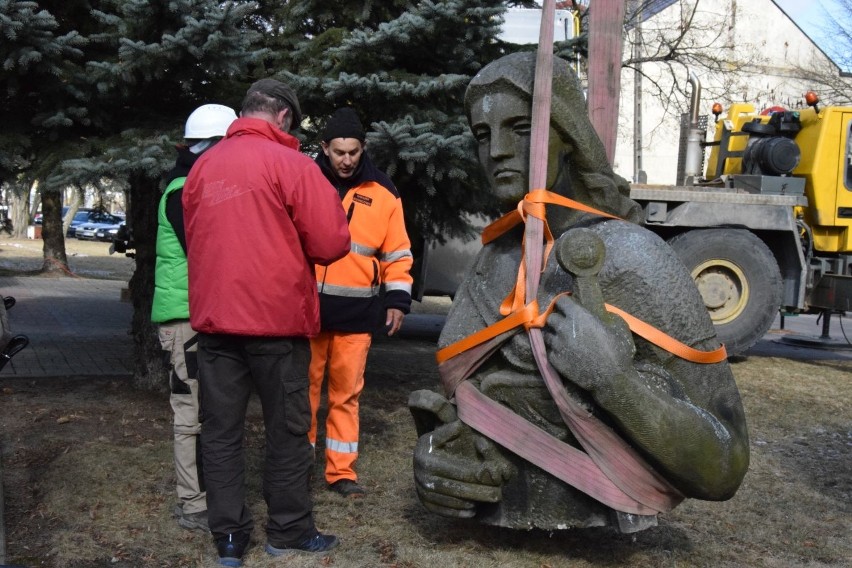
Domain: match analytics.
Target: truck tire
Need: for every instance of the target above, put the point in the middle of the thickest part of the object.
(739, 280)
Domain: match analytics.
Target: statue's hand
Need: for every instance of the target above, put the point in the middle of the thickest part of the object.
(588, 350)
(429, 410)
(454, 468)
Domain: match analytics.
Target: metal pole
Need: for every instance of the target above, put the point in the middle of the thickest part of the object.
(637, 103)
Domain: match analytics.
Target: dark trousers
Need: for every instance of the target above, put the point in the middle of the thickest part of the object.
(277, 368)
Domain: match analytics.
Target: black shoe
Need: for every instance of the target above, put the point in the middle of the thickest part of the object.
(15, 345)
(317, 544)
(231, 548)
(347, 488)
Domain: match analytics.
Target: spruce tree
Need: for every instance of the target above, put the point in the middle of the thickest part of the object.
(148, 64)
(404, 67)
(38, 60)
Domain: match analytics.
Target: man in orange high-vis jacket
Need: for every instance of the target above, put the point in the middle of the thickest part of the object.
(351, 307)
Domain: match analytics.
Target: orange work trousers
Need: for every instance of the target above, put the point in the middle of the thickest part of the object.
(342, 357)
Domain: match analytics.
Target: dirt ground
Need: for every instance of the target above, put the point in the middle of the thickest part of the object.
(89, 481)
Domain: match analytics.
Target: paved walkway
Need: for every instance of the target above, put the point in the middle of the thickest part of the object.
(76, 326)
(80, 327)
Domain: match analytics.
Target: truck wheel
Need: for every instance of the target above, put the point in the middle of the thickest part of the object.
(739, 280)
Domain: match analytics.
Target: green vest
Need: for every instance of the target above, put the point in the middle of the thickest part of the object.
(171, 282)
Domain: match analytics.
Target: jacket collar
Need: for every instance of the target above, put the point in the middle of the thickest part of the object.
(260, 127)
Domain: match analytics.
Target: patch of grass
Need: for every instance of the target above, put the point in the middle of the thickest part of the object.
(107, 503)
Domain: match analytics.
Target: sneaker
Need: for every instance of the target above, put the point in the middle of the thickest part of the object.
(347, 488)
(231, 548)
(317, 544)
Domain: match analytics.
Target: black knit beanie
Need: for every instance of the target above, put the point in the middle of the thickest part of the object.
(344, 123)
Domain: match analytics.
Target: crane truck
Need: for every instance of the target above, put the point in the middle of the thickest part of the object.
(765, 226)
(768, 226)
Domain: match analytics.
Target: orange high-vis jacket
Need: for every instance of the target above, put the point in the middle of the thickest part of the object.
(380, 254)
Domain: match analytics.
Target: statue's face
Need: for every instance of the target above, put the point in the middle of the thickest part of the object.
(501, 124)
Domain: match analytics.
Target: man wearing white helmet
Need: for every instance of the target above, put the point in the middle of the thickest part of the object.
(170, 309)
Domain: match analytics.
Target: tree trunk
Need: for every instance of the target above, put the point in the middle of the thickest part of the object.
(36, 196)
(73, 207)
(52, 233)
(150, 370)
(20, 219)
(19, 213)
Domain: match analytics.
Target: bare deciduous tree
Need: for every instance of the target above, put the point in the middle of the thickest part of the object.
(666, 39)
(833, 78)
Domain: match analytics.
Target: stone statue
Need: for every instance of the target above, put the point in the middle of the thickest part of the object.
(685, 419)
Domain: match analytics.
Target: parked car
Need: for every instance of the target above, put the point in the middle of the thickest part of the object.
(99, 223)
(80, 217)
(108, 234)
(87, 216)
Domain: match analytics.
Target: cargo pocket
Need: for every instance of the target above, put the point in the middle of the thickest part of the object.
(297, 407)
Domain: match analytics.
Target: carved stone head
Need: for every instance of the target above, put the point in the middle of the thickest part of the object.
(498, 103)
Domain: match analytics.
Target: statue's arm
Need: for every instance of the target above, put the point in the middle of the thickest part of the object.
(695, 435)
(686, 417)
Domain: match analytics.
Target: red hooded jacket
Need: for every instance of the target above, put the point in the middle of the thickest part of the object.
(259, 215)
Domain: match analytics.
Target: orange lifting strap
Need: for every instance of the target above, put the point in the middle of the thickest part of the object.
(519, 314)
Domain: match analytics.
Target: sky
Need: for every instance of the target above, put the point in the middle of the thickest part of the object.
(806, 13)
(812, 16)
(809, 15)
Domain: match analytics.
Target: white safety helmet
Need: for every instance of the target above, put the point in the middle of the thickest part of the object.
(209, 121)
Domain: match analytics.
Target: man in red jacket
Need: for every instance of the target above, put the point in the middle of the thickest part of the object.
(259, 216)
